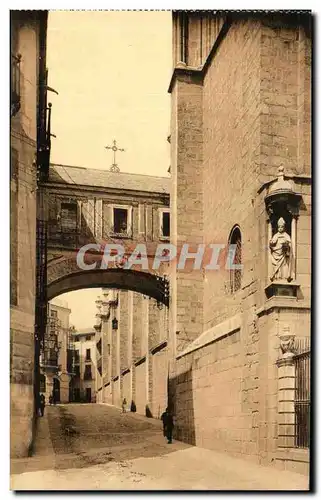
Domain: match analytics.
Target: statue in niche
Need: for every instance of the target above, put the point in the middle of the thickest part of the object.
(281, 254)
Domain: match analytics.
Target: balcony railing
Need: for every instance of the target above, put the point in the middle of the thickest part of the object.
(15, 84)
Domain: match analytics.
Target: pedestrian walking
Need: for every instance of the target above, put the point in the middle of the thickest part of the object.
(124, 404)
(168, 425)
(42, 404)
(50, 400)
(163, 419)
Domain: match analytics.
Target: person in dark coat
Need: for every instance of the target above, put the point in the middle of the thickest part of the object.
(42, 404)
(168, 425)
(163, 419)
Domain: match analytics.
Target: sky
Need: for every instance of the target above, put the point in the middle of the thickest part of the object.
(112, 71)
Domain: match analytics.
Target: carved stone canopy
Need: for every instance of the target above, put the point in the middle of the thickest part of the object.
(281, 192)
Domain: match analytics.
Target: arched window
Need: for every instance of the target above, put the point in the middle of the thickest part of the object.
(236, 274)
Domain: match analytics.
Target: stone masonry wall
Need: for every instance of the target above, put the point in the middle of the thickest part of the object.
(137, 325)
(140, 386)
(23, 242)
(187, 206)
(231, 106)
(159, 375)
(211, 410)
(255, 102)
(123, 328)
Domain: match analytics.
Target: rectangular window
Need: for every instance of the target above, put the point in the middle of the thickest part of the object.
(77, 356)
(88, 337)
(165, 225)
(88, 355)
(54, 314)
(14, 227)
(87, 374)
(120, 220)
(68, 217)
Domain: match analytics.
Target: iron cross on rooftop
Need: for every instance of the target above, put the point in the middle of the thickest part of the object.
(114, 148)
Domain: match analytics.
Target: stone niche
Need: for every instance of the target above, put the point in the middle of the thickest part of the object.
(282, 206)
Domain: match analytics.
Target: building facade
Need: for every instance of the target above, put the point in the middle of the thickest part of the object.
(241, 175)
(28, 58)
(57, 355)
(83, 388)
(94, 208)
(132, 355)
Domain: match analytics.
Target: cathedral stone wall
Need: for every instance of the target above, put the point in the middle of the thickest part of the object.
(234, 123)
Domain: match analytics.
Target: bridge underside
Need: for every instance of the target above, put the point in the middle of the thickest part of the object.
(142, 282)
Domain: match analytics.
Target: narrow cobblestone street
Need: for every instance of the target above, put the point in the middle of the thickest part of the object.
(92, 446)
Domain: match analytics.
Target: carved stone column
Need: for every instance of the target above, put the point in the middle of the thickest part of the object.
(286, 390)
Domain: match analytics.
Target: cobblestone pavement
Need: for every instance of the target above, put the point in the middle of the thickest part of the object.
(90, 447)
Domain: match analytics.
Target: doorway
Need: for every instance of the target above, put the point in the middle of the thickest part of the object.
(88, 394)
(56, 390)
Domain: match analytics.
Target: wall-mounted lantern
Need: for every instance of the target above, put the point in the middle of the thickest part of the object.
(114, 324)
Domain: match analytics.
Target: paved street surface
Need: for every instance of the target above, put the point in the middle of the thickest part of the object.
(95, 447)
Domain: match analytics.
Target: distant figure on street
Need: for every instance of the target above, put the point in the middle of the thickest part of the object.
(124, 404)
(42, 404)
(50, 399)
(168, 424)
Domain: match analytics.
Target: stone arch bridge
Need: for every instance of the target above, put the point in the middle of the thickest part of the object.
(96, 207)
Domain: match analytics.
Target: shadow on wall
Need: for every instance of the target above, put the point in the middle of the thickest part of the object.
(180, 403)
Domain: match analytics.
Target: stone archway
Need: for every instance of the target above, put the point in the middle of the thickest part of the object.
(64, 276)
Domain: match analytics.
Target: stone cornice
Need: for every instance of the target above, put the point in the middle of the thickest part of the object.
(106, 192)
(283, 303)
(158, 347)
(186, 74)
(140, 360)
(215, 333)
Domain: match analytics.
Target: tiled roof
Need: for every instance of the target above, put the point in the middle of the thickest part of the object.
(103, 178)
